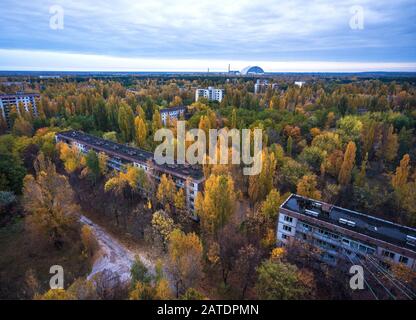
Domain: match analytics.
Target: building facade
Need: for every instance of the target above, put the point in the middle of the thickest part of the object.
(211, 94)
(342, 234)
(174, 113)
(188, 177)
(262, 85)
(28, 101)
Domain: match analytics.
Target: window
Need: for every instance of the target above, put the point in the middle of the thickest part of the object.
(388, 254)
(403, 259)
(288, 219)
(284, 236)
(287, 228)
(307, 227)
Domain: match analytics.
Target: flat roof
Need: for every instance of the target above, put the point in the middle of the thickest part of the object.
(19, 94)
(135, 154)
(178, 108)
(368, 225)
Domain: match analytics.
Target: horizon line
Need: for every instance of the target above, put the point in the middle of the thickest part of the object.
(48, 61)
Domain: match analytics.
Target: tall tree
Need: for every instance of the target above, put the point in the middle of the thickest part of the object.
(400, 178)
(260, 185)
(248, 259)
(92, 168)
(344, 176)
(49, 199)
(185, 260)
(157, 121)
(270, 205)
(126, 122)
(140, 131)
(217, 204)
(166, 190)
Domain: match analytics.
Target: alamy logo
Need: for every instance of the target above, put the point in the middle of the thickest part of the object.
(57, 280)
(357, 19)
(357, 280)
(56, 21)
(243, 149)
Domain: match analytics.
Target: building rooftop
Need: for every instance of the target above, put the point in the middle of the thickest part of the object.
(20, 94)
(133, 154)
(178, 108)
(368, 225)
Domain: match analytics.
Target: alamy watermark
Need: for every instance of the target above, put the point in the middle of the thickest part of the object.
(357, 280)
(56, 21)
(57, 280)
(357, 19)
(243, 148)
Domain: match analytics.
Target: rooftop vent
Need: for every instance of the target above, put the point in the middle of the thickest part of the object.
(411, 240)
(317, 205)
(311, 213)
(347, 222)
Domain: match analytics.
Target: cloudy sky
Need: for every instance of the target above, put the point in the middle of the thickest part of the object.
(185, 35)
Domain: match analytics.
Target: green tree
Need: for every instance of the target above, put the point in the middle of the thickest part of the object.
(92, 165)
(139, 272)
(278, 281)
(349, 129)
(126, 122)
(112, 136)
(192, 294)
(270, 205)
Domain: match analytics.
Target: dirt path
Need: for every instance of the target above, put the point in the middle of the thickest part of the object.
(114, 255)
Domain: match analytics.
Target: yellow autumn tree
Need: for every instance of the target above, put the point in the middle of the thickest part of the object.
(344, 176)
(70, 156)
(157, 121)
(217, 204)
(399, 179)
(260, 185)
(49, 201)
(307, 187)
(166, 190)
(134, 177)
(140, 132)
(179, 200)
(184, 260)
(103, 163)
(56, 294)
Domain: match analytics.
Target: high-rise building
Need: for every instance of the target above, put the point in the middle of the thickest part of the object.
(262, 85)
(173, 113)
(342, 234)
(211, 94)
(188, 177)
(27, 101)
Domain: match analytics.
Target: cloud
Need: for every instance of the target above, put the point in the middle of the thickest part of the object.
(270, 30)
